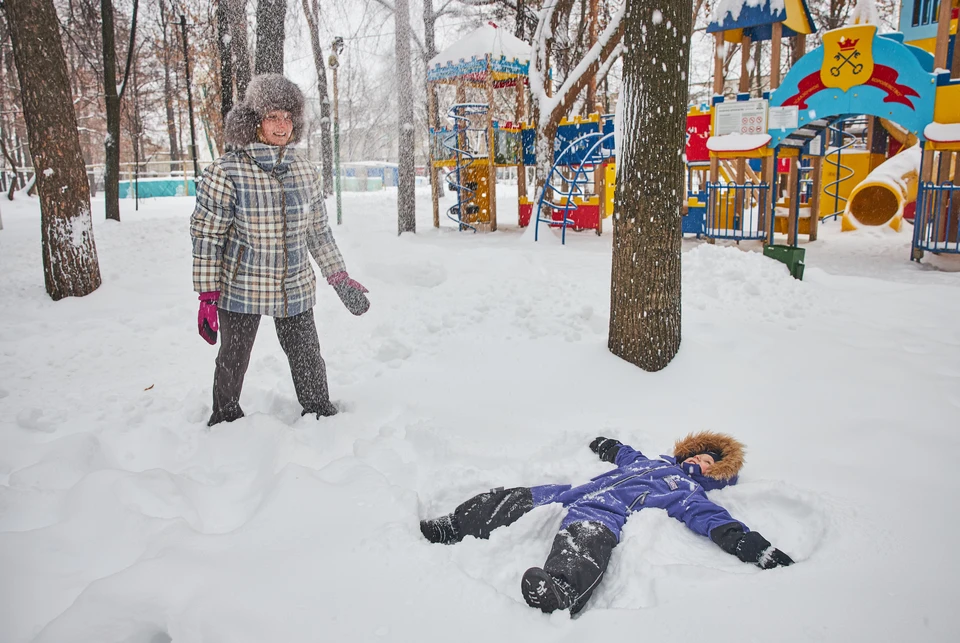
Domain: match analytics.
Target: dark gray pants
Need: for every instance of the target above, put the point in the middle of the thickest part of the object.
(298, 338)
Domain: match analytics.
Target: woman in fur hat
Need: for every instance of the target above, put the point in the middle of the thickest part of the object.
(259, 218)
(597, 511)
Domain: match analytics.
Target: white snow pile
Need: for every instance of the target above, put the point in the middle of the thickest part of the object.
(865, 13)
(895, 170)
(735, 7)
(483, 362)
(942, 132)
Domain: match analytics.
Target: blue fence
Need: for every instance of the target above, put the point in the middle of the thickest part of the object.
(738, 212)
(937, 223)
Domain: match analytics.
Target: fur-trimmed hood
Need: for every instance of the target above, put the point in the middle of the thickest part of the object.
(731, 449)
(265, 93)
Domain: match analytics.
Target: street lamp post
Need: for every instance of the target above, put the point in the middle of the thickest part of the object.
(334, 62)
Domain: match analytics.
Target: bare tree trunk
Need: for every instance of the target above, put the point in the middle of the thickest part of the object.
(70, 265)
(326, 140)
(270, 36)
(111, 161)
(645, 287)
(406, 198)
(236, 12)
(226, 61)
(169, 56)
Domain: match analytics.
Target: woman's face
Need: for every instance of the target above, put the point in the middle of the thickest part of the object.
(276, 128)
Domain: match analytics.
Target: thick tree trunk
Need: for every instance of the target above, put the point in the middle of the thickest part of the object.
(236, 12)
(70, 265)
(111, 160)
(326, 139)
(270, 36)
(226, 61)
(645, 287)
(168, 93)
(406, 198)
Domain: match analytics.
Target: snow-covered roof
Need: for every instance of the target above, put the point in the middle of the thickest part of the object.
(488, 39)
(464, 57)
(737, 142)
(756, 17)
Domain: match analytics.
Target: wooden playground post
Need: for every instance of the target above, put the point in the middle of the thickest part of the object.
(739, 200)
(769, 172)
(815, 169)
(794, 195)
(717, 91)
(491, 148)
(434, 175)
(943, 35)
(521, 168)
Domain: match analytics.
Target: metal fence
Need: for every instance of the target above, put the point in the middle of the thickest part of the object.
(937, 223)
(737, 212)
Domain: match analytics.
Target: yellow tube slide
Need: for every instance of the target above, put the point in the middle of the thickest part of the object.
(880, 198)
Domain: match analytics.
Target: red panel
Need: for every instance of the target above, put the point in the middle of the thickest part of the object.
(698, 131)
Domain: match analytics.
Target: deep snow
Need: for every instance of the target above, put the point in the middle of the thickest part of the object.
(482, 362)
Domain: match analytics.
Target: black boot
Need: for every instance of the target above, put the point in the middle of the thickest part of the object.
(545, 592)
(323, 409)
(441, 530)
(228, 414)
(576, 563)
(479, 516)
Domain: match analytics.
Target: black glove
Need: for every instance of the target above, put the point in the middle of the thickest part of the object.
(606, 448)
(749, 547)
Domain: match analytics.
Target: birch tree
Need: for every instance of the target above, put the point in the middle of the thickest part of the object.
(70, 266)
(645, 285)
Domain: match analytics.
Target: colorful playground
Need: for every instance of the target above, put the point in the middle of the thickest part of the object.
(862, 131)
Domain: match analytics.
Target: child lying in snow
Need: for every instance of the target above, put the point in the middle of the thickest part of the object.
(597, 511)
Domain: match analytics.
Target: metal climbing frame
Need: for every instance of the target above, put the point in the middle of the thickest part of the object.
(839, 132)
(598, 148)
(459, 144)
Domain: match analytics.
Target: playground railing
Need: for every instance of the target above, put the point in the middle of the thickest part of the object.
(937, 223)
(737, 211)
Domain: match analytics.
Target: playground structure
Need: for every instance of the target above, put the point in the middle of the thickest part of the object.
(581, 181)
(866, 128)
(488, 59)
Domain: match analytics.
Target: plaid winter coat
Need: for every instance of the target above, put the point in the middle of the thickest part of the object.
(259, 215)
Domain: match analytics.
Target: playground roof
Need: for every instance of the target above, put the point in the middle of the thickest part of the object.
(466, 59)
(755, 18)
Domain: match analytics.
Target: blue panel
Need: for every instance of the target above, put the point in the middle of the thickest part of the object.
(862, 99)
(529, 137)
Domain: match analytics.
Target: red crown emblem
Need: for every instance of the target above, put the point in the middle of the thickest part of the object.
(846, 44)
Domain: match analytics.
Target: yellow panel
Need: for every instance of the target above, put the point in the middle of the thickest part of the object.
(763, 152)
(927, 44)
(733, 35)
(947, 106)
(952, 146)
(610, 186)
(796, 16)
(860, 161)
(477, 207)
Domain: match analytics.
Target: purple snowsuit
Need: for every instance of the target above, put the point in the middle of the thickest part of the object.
(639, 482)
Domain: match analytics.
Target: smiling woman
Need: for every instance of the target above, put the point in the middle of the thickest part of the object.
(259, 217)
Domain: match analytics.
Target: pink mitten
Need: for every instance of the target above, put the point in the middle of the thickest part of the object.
(207, 322)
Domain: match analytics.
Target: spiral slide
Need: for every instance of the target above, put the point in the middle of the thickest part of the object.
(882, 196)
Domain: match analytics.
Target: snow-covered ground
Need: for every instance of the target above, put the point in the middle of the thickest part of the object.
(481, 363)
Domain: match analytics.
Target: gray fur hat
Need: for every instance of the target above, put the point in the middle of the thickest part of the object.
(265, 93)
